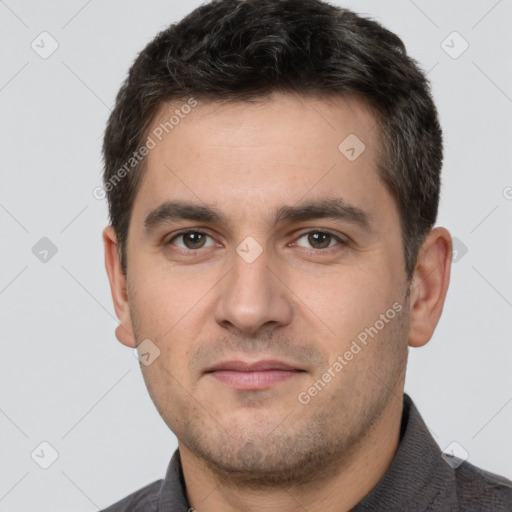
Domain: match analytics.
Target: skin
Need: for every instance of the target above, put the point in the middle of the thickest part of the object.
(263, 449)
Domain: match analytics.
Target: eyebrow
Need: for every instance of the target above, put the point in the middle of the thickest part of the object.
(336, 209)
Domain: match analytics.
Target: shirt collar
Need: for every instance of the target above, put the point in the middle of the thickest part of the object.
(418, 476)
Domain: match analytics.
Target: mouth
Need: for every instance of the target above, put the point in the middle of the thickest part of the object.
(258, 375)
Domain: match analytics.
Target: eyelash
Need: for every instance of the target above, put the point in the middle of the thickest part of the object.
(193, 252)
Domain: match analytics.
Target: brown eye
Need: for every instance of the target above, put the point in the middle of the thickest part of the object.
(190, 240)
(319, 240)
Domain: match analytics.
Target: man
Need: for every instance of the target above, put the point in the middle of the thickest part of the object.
(273, 173)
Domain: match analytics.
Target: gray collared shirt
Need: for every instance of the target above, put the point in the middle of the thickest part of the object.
(419, 479)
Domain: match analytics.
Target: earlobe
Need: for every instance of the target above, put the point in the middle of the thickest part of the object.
(125, 336)
(124, 331)
(429, 285)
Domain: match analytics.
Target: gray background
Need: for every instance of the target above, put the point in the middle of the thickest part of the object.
(65, 379)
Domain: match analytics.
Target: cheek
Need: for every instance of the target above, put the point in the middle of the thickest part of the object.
(162, 301)
(342, 303)
(172, 312)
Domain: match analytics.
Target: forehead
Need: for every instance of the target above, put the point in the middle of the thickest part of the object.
(320, 121)
(252, 157)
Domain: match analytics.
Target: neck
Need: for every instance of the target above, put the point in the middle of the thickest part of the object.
(338, 489)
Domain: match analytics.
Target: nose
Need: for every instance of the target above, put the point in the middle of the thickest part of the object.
(253, 298)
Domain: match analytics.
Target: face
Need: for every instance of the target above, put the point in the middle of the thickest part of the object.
(275, 289)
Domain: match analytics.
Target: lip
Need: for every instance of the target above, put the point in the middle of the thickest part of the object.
(243, 366)
(256, 375)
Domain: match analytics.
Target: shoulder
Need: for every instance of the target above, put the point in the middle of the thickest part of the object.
(479, 490)
(143, 500)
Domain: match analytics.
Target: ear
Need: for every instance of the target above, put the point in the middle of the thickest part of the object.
(429, 285)
(124, 331)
